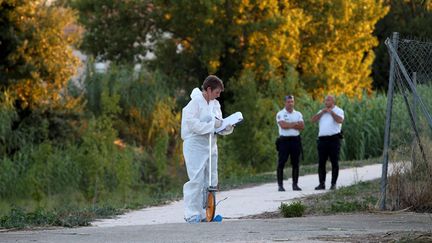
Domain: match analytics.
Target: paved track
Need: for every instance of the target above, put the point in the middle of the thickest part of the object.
(243, 202)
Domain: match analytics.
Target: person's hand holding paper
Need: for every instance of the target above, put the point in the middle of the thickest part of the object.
(218, 122)
(228, 123)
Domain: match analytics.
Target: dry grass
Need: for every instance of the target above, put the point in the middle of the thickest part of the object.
(410, 185)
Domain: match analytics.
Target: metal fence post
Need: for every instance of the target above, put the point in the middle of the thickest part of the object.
(394, 43)
(414, 79)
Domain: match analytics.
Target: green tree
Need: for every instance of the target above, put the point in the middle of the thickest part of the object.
(116, 30)
(36, 61)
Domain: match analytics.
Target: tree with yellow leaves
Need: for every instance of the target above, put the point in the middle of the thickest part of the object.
(336, 53)
(36, 60)
(271, 30)
(329, 42)
(228, 37)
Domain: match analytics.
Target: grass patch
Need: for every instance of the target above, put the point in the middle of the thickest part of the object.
(295, 209)
(360, 197)
(356, 198)
(19, 218)
(49, 213)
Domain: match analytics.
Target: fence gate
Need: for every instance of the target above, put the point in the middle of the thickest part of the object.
(407, 135)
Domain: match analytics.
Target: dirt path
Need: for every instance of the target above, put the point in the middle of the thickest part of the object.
(243, 202)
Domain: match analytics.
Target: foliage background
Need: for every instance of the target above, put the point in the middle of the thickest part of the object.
(112, 138)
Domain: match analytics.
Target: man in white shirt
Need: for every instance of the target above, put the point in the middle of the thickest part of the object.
(290, 123)
(330, 126)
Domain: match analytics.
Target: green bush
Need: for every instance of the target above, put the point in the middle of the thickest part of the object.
(363, 127)
(18, 218)
(143, 113)
(252, 143)
(295, 209)
(66, 217)
(9, 173)
(50, 172)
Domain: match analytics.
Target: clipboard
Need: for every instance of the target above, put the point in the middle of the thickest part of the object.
(230, 120)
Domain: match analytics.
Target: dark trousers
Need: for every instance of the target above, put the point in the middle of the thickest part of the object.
(286, 147)
(328, 148)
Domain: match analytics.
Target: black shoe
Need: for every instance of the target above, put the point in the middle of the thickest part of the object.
(281, 189)
(320, 187)
(296, 188)
(333, 187)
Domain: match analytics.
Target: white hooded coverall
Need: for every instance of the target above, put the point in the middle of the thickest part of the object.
(198, 123)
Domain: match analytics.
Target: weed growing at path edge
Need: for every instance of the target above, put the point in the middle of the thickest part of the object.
(295, 209)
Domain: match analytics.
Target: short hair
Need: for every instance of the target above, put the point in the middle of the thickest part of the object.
(289, 97)
(332, 97)
(213, 82)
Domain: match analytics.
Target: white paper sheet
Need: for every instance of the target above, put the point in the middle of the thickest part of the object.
(230, 120)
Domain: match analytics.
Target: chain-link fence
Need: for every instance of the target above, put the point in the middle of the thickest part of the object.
(416, 57)
(408, 132)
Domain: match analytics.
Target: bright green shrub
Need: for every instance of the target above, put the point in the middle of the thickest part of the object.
(295, 209)
(143, 114)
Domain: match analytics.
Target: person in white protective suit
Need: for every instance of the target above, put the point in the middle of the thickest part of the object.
(200, 117)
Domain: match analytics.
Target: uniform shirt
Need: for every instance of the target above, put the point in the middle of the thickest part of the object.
(327, 125)
(284, 115)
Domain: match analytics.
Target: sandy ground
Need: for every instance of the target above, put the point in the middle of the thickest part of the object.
(243, 202)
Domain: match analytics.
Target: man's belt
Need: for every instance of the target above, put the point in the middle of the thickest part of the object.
(290, 138)
(330, 137)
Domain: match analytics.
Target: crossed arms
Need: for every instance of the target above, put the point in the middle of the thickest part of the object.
(291, 125)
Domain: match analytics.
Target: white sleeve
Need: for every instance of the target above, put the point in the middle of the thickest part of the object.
(340, 113)
(301, 117)
(218, 113)
(217, 110)
(191, 120)
(279, 117)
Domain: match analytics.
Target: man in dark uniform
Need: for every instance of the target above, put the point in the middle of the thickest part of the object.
(330, 124)
(290, 123)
